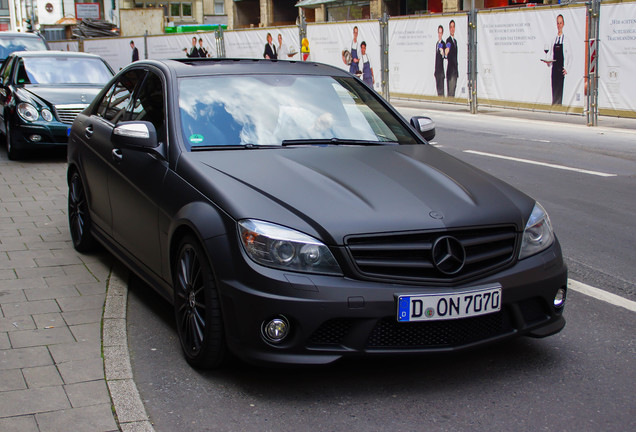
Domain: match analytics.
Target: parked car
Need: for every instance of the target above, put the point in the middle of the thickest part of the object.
(291, 215)
(17, 41)
(41, 92)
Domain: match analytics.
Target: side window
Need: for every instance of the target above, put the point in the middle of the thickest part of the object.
(5, 73)
(149, 105)
(113, 106)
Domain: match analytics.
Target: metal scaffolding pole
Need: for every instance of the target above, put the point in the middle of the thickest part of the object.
(593, 46)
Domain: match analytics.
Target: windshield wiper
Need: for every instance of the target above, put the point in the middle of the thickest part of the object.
(334, 141)
(232, 147)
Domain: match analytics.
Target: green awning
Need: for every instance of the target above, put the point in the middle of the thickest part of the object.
(313, 3)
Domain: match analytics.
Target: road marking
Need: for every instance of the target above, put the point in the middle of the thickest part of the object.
(599, 294)
(528, 161)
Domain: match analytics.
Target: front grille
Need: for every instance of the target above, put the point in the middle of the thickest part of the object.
(67, 113)
(389, 334)
(408, 256)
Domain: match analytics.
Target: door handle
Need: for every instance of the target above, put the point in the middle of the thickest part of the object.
(117, 155)
(88, 132)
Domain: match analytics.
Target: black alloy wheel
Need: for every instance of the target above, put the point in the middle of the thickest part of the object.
(12, 153)
(197, 307)
(78, 217)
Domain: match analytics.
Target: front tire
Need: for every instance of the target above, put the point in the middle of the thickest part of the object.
(197, 307)
(12, 153)
(79, 220)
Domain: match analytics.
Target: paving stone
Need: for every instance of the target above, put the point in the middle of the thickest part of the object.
(96, 418)
(63, 260)
(16, 324)
(4, 341)
(14, 296)
(50, 293)
(41, 272)
(11, 379)
(91, 288)
(88, 393)
(75, 351)
(87, 332)
(42, 376)
(24, 357)
(19, 424)
(37, 337)
(51, 320)
(82, 370)
(31, 401)
(29, 255)
(83, 316)
(82, 302)
(30, 308)
(19, 284)
(66, 280)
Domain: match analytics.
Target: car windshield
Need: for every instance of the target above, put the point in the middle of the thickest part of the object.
(63, 70)
(276, 110)
(20, 43)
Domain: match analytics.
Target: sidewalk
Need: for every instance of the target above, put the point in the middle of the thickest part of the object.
(52, 306)
(626, 124)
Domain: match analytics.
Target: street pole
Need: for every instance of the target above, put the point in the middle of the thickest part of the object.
(384, 58)
(593, 47)
(472, 58)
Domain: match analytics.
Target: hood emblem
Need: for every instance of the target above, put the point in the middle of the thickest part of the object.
(83, 98)
(436, 215)
(449, 255)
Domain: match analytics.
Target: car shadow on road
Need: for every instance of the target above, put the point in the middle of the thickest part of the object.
(508, 362)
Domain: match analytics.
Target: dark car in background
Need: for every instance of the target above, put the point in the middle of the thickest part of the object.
(291, 215)
(41, 92)
(17, 41)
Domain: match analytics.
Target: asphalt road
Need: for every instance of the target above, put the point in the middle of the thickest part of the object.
(582, 379)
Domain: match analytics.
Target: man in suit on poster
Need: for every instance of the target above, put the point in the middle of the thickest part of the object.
(270, 49)
(452, 71)
(440, 48)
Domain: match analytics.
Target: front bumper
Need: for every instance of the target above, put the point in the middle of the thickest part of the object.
(53, 134)
(333, 317)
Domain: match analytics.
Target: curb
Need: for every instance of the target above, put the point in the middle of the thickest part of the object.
(130, 413)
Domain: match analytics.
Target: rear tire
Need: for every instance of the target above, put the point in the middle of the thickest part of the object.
(79, 219)
(197, 307)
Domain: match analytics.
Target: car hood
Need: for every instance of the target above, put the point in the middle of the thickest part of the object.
(62, 95)
(335, 191)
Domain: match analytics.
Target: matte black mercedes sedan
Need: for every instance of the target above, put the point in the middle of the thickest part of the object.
(41, 92)
(291, 215)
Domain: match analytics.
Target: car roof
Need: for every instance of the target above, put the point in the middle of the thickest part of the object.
(216, 66)
(52, 53)
(13, 34)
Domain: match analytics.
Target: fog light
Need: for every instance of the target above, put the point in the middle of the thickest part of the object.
(275, 330)
(35, 138)
(559, 298)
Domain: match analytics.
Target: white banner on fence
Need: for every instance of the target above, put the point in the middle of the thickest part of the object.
(617, 57)
(116, 51)
(66, 45)
(251, 43)
(328, 42)
(413, 50)
(515, 54)
(177, 45)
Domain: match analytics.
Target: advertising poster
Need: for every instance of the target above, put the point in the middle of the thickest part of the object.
(66, 45)
(617, 57)
(116, 51)
(516, 57)
(428, 56)
(252, 43)
(352, 46)
(180, 45)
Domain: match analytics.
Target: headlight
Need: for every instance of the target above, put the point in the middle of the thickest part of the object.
(283, 248)
(538, 234)
(47, 115)
(28, 112)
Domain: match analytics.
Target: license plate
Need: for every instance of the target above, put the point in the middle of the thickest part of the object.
(449, 306)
